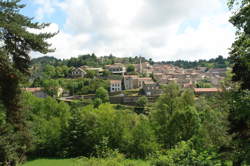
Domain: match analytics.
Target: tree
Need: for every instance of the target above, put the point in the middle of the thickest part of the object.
(239, 54)
(142, 101)
(102, 94)
(239, 118)
(49, 72)
(91, 74)
(16, 44)
(174, 116)
(97, 102)
(130, 68)
(51, 87)
(141, 104)
(239, 104)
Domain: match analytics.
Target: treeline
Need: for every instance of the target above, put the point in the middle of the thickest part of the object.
(88, 60)
(94, 61)
(177, 129)
(218, 62)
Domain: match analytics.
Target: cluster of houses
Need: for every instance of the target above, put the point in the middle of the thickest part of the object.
(154, 76)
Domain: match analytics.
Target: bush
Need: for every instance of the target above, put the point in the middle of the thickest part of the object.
(183, 154)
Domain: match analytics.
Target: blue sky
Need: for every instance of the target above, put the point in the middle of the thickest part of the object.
(162, 30)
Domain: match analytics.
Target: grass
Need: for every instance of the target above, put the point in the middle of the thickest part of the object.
(86, 162)
(51, 162)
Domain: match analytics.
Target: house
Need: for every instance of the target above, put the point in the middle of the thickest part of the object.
(78, 72)
(143, 68)
(158, 76)
(142, 80)
(98, 70)
(151, 88)
(115, 85)
(218, 71)
(130, 81)
(203, 69)
(117, 68)
(38, 92)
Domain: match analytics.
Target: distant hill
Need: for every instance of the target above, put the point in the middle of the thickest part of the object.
(94, 61)
(46, 60)
(218, 62)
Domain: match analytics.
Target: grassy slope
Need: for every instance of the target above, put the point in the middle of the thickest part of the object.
(86, 162)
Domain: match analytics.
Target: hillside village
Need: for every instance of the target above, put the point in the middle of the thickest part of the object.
(151, 77)
(126, 82)
(159, 101)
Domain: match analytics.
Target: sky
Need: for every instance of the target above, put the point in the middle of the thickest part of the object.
(159, 29)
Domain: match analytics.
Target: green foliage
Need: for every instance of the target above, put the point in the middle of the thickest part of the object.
(97, 102)
(83, 86)
(142, 101)
(239, 100)
(102, 94)
(175, 118)
(118, 160)
(91, 74)
(46, 120)
(239, 118)
(218, 62)
(212, 133)
(239, 54)
(104, 130)
(142, 141)
(88, 60)
(51, 87)
(183, 125)
(183, 154)
(130, 68)
(203, 84)
(8, 146)
(16, 44)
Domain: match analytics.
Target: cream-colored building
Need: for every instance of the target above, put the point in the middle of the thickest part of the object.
(117, 68)
(115, 85)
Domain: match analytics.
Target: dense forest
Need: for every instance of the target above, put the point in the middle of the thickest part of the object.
(179, 129)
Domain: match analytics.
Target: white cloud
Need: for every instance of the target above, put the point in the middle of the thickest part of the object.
(143, 27)
(46, 7)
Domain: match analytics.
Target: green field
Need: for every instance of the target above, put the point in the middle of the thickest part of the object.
(51, 162)
(86, 162)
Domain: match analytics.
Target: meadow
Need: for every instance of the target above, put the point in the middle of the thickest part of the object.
(86, 162)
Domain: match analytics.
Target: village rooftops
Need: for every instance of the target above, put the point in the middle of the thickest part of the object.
(218, 70)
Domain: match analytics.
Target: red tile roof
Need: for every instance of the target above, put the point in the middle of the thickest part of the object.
(207, 90)
(33, 89)
(115, 81)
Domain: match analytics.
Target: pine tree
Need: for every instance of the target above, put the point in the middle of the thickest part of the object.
(16, 42)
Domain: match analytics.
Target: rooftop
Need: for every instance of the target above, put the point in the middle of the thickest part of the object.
(38, 89)
(207, 90)
(115, 81)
